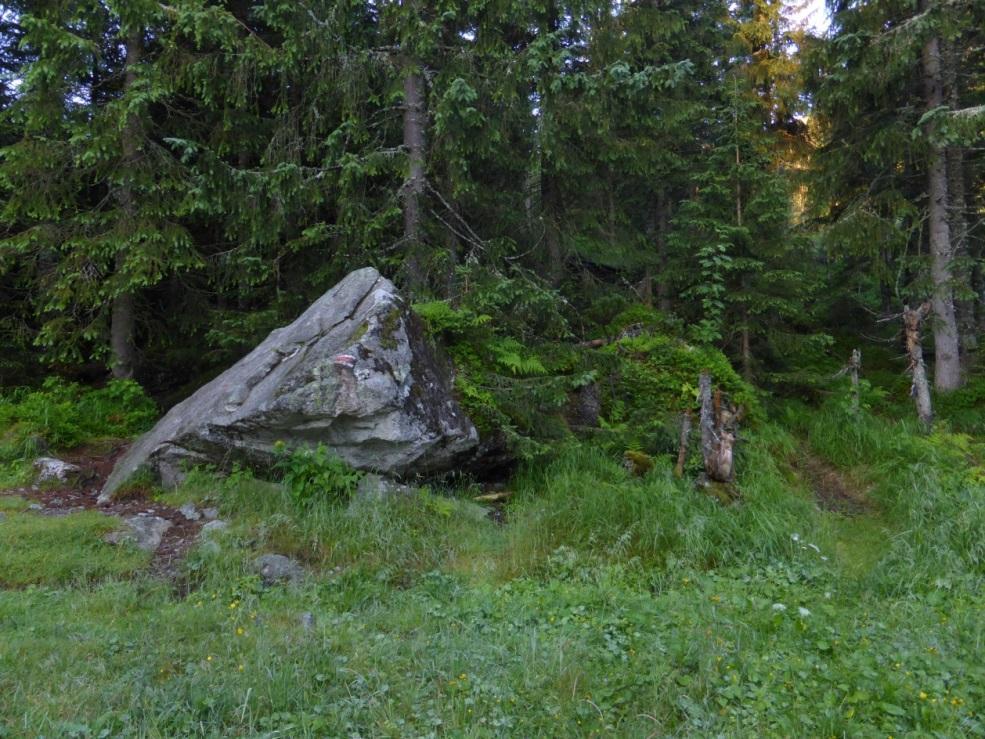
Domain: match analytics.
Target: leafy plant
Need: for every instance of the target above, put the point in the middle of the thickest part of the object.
(310, 474)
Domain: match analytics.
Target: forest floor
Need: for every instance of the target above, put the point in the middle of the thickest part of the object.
(839, 595)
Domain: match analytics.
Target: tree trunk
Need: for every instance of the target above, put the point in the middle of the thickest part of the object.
(549, 195)
(663, 256)
(412, 192)
(122, 320)
(947, 366)
(121, 336)
(717, 432)
(920, 389)
(552, 231)
(682, 447)
(745, 348)
(854, 367)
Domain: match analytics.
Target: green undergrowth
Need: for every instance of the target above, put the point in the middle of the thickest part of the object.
(522, 389)
(608, 604)
(63, 415)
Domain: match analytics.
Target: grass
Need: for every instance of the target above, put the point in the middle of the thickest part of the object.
(608, 605)
(59, 550)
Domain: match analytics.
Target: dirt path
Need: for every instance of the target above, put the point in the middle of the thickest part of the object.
(833, 489)
(96, 465)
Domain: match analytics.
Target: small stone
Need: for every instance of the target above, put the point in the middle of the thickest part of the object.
(213, 527)
(211, 514)
(189, 511)
(307, 620)
(56, 502)
(55, 470)
(144, 532)
(274, 568)
(35, 507)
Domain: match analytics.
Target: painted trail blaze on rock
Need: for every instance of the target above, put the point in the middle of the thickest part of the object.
(354, 372)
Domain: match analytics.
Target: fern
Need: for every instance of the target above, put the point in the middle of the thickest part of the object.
(510, 355)
(439, 317)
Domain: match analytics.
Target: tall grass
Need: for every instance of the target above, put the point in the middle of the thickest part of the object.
(931, 488)
(585, 500)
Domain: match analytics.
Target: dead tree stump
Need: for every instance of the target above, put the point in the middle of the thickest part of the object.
(920, 388)
(718, 423)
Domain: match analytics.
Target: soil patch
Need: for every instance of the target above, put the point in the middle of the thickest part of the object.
(96, 464)
(833, 489)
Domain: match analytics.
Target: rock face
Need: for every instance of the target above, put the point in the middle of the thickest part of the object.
(353, 372)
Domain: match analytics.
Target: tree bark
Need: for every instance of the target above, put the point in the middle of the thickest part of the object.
(746, 348)
(854, 367)
(717, 432)
(412, 192)
(920, 388)
(549, 195)
(663, 256)
(552, 230)
(947, 366)
(122, 320)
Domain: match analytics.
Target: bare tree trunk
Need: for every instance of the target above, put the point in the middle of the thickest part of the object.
(947, 365)
(717, 432)
(745, 348)
(413, 189)
(552, 231)
(920, 389)
(663, 283)
(122, 320)
(549, 195)
(854, 367)
(646, 287)
(682, 447)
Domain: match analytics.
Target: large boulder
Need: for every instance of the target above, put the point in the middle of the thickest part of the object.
(354, 372)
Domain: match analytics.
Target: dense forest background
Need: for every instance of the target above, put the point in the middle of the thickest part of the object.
(176, 179)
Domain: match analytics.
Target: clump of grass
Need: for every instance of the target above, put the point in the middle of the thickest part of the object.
(59, 550)
(396, 539)
(13, 503)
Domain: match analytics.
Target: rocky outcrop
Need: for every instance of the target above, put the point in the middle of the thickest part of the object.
(354, 372)
(51, 470)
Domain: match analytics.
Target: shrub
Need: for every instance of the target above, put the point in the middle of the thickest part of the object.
(316, 473)
(64, 414)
